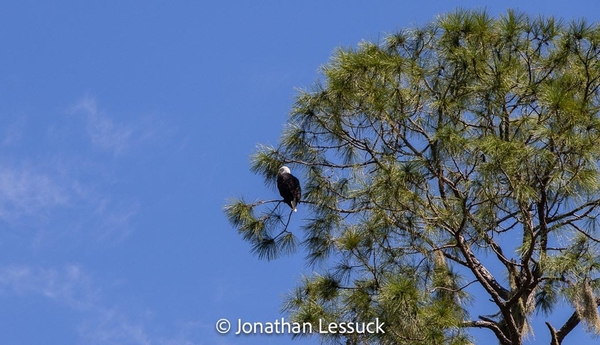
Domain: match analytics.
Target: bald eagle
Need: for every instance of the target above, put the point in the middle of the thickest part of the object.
(289, 187)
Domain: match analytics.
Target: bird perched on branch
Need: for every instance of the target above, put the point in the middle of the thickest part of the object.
(289, 187)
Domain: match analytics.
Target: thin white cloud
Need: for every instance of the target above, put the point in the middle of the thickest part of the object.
(25, 192)
(69, 285)
(101, 321)
(116, 220)
(58, 191)
(103, 132)
(106, 133)
(56, 187)
(111, 326)
(37, 196)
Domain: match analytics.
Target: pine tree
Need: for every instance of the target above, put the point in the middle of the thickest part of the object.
(455, 157)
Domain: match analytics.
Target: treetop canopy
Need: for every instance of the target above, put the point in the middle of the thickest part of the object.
(456, 155)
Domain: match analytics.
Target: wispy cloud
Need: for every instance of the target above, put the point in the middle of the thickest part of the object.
(115, 219)
(106, 133)
(68, 285)
(59, 188)
(111, 326)
(27, 192)
(57, 199)
(101, 321)
(60, 185)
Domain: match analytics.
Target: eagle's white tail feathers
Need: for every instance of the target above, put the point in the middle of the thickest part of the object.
(294, 206)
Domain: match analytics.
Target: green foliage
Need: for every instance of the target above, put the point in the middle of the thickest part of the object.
(432, 157)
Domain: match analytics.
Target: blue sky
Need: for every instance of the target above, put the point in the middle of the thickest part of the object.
(125, 126)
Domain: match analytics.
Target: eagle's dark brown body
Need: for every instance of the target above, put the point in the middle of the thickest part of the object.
(289, 187)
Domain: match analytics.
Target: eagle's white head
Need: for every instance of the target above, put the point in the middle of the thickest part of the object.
(284, 170)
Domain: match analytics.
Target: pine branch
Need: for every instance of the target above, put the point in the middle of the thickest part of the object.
(491, 325)
(568, 326)
(483, 275)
